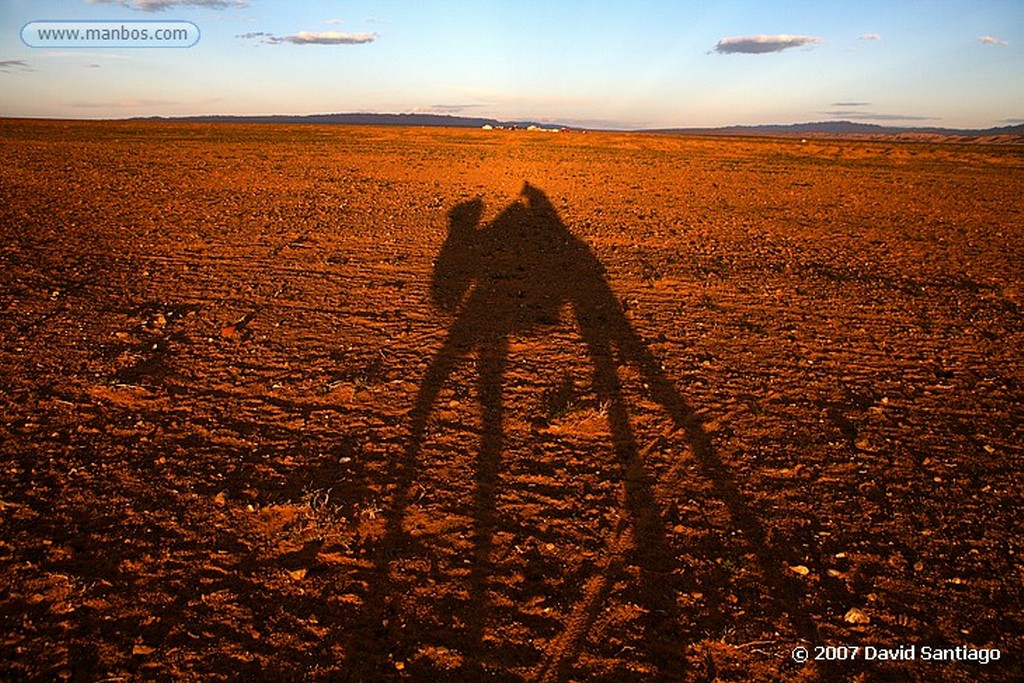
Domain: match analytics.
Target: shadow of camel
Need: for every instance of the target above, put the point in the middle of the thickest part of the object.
(517, 273)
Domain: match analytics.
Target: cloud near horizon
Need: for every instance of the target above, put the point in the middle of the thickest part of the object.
(761, 44)
(445, 108)
(124, 103)
(851, 104)
(161, 5)
(14, 65)
(992, 40)
(312, 38)
(870, 36)
(869, 116)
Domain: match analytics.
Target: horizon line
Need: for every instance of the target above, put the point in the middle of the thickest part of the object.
(576, 125)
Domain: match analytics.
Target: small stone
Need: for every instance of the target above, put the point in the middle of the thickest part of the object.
(855, 616)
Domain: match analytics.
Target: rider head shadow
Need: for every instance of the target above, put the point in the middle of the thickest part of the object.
(523, 271)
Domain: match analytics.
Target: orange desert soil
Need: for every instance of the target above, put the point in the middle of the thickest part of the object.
(334, 403)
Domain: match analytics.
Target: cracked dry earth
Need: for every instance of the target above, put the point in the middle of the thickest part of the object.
(688, 403)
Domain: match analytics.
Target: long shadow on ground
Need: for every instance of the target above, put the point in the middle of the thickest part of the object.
(510, 276)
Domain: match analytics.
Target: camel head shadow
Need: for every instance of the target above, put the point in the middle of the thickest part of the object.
(454, 265)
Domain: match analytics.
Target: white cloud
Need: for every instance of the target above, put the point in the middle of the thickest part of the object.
(761, 44)
(332, 21)
(329, 38)
(161, 5)
(992, 40)
(311, 38)
(870, 36)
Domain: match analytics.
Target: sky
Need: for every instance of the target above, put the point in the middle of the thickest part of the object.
(637, 64)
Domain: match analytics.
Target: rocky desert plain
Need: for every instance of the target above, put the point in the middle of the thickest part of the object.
(435, 404)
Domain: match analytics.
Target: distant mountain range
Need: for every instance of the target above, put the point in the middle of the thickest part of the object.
(841, 128)
(363, 119)
(1012, 133)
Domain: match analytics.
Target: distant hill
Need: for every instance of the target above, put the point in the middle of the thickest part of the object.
(362, 119)
(1007, 134)
(1014, 133)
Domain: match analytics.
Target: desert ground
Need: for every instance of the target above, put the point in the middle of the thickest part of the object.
(340, 403)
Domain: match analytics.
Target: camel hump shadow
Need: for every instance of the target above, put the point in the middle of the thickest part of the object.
(519, 270)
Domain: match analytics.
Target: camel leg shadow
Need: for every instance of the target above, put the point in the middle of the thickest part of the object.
(381, 641)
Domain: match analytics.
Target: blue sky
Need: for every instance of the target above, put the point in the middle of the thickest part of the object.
(616, 64)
